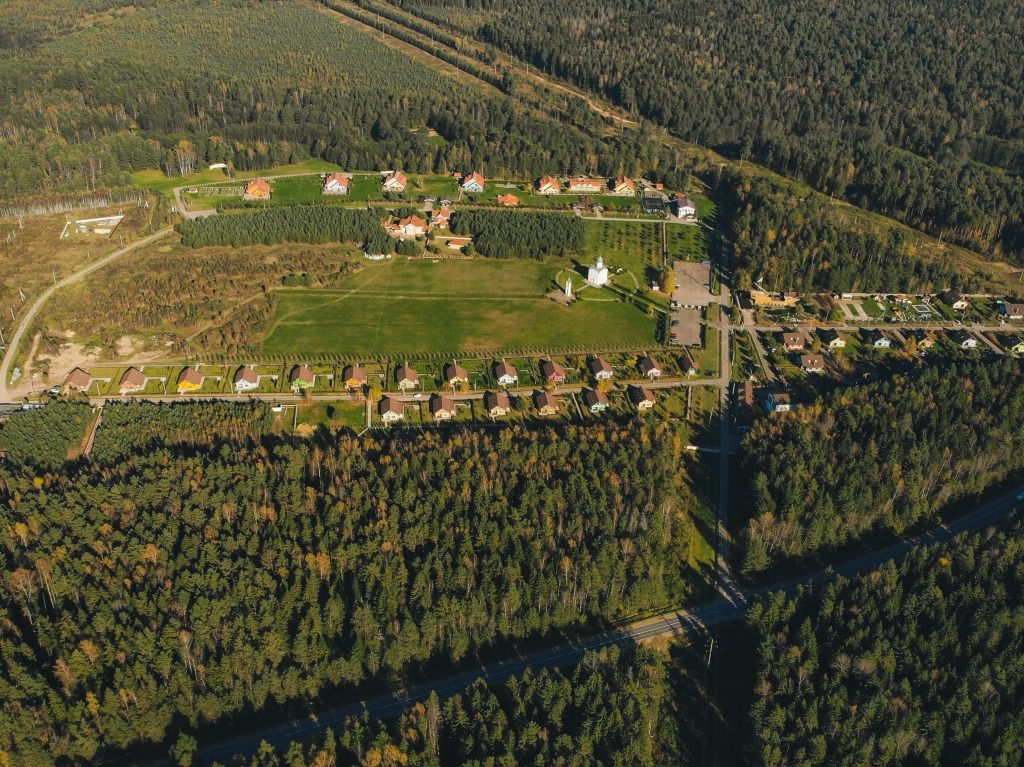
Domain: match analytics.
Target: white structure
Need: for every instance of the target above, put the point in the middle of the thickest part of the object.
(568, 288)
(598, 274)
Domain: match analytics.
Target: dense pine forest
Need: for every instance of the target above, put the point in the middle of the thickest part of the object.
(197, 566)
(292, 224)
(504, 234)
(913, 110)
(881, 457)
(914, 664)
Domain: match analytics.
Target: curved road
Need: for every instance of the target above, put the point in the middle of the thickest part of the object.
(12, 348)
(726, 608)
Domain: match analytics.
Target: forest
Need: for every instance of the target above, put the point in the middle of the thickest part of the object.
(912, 110)
(197, 565)
(882, 457)
(506, 234)
(916, 663)
(292, 224)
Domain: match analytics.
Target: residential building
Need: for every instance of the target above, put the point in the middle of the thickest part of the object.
(353, 376)
(877, 339)
(302, 377)
(395, 181)
(954, 300)
(600, 369)
(441, 407)
(1012, 311)
(649, 367)
(922, 338)
(552, 371)
(407, 377)
(473, 183)
(549, 185)
(653, 202)
(497, 404)
(335, 183)
(257, 189)
(391, 410)
(455, 374)
(77, 380)
(246, 378)
(583, 185)
(133, 380)
(624, 186)
(505, 374)
(685, 207)
(812, 363)
(412, 226)
(963, 339)
(440, 217)
(833, 339)
(545, 402)
(508, 200)
(641, 397)
(779, 402)
(1015, 345)
(190, 380)
(596, 401)
(793, 341)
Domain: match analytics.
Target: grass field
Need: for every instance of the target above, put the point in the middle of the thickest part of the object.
(635, 247)
(422, 306)
(157, 181)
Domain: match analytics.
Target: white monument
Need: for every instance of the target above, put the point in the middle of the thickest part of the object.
(568, 288)
(598, 274)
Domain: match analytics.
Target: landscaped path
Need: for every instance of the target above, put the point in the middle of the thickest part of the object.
(12, 348)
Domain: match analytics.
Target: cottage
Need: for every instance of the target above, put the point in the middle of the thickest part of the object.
(877, 339)
(190, 380)
(649, 367)
(552, 371)
(508, 200)
(1015, 345)
(335, 183)
(600, 369)
(411, 226)
(395, 181)
(353, 376)
(302, 377)
(549, 185)
(391, 410)
(441, 217)
(257, 189)
(246, 379)
(133, 380)
(582, 185)
(497, 404)
(641, 397)
(922, 338)
(455, 374)
(473, 183)
(505, 374)
(596, 401)
(624, 186)
(546, 403)
(833, 339)
(77, 380)
(407, 377)
(954, 300)
(441, 407)
(963, 339)
(1012, 311)
(685, 207)
(794, 342)
(812, 363)
(779, 402)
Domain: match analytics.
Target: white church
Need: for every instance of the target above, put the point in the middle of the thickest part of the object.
(598, 273)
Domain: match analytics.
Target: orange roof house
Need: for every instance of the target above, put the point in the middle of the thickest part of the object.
(77, 380)
(257, 189)
(353, 376)
(335, 183)
(508, 200)
(395, 182)
(549, 185)
(474, 182)
(624, 185)
(190, 380)
(132, 380)
(412, 226)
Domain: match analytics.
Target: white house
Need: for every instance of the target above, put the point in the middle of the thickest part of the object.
(505, 374)
(391, 410)
(581, 184)
(600, 369)
(472, 183)
(247, 379)
(335, 183)
(549, 185)
(685, 207)
(598, 274)
(395, 182)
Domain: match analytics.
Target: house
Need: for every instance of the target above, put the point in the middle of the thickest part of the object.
(685, 207)
(922, 338)
(583, 185)
(649, 367)
(473, 183)
(877, 339)
(302, 377)
(505, 374)
(77, 380)
(545, 402)
(407, 377)
(833, 339)
(689, 364)
(257, 189)
(1015, 345)
(441, 217)
(963, 339)
(549, 185)
(596, 401)
(497, 404)
(642, 397)
(395, 181)
(652, 202)
(334, 183)
(600, 369)
(353, 376)
(508, 200)
(552, 371)
(954, 300)
(412, 226)
(190, 380)
(624, 186)
(455, 374)
(441, 407)
(457, 244)
(812, 363)
(1012, 311)
(794, 342)
(391, 410)
(246, 378)
(133, 380)
(779, 402)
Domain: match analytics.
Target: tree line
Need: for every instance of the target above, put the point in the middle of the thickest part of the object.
(299, 223)
(508, 234)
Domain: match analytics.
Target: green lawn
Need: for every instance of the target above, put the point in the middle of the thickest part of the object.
(406, 307)
(687, 243)
(157, 181)
(635, 247)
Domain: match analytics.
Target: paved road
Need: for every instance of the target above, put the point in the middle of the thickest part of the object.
(722, 610)
(12, 348)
